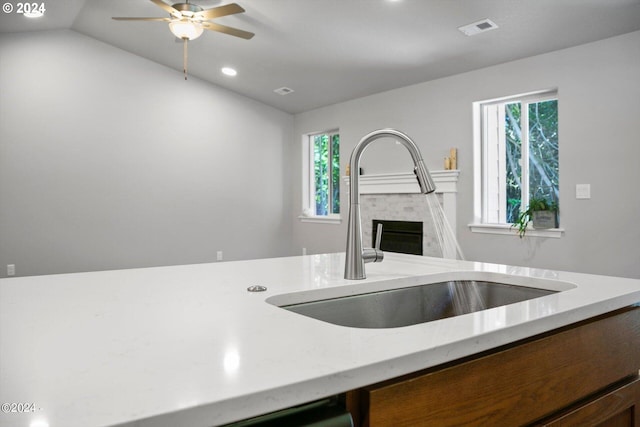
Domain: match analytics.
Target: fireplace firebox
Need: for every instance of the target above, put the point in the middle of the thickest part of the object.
(399, 236)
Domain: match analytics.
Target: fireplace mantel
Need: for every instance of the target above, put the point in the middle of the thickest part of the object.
(405, 183)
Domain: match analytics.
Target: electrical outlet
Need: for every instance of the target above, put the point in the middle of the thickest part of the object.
(11, 269)
(304, 251)
(219, 256)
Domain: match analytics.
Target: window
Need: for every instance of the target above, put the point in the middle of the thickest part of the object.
(321, 176)
(516, 155)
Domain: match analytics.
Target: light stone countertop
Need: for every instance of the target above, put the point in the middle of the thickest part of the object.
(188, 346)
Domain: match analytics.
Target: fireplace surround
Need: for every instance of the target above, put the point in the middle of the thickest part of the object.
(397, 197)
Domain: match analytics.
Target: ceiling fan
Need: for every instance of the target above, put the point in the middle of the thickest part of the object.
(187, 21)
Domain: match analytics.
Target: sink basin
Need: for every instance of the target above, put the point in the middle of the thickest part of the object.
(416, 304)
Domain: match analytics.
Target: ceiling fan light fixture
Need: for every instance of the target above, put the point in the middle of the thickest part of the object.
(186, 29)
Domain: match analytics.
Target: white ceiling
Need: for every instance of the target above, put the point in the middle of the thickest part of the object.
(330, 51)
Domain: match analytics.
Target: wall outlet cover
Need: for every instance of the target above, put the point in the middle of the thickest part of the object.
(583, 191)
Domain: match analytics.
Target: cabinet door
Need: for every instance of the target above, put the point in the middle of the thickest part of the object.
(619, 407)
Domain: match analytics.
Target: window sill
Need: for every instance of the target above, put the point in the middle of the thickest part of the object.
(335, 219)
(506, 229)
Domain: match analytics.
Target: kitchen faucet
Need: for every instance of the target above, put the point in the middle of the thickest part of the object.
(356, 255)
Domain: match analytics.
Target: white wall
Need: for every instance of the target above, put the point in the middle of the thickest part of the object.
(111, 161)
(108, 160)
(599, 102)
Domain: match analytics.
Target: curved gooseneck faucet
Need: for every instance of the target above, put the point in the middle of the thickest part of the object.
(356, 256)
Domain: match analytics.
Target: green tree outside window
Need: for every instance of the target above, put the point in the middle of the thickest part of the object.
(326, 173)
(543, 165)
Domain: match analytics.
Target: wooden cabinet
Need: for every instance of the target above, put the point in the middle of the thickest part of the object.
(617, 407)
(581, 375)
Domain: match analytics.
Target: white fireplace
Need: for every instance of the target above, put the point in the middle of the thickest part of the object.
(397, 197)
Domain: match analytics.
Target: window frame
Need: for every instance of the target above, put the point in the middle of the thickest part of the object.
(308, 181)
(480, 222)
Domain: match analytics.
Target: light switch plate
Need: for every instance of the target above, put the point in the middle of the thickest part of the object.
(583, 191)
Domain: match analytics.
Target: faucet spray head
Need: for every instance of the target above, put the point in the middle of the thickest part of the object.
(424, 178)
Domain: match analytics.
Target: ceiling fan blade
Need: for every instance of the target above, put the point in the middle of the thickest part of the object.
(217, 12)
(142, 19)
(227, 30)
(169, 9)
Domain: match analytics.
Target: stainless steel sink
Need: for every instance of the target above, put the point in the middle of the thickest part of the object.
(416, 304)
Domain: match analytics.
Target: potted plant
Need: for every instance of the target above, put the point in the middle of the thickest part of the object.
(542, 212)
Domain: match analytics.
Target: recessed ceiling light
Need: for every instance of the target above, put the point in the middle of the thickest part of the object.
(228, 71)
(33, 14)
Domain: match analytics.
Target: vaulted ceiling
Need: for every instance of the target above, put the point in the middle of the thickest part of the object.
(329, 51)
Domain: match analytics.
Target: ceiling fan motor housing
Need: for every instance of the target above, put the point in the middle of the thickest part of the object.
(187, 7)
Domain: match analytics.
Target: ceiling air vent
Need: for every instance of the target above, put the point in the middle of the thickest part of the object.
(283, 91)
(478, 27)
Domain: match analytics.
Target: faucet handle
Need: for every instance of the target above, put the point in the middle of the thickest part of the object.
(378, 236)
(375, 254)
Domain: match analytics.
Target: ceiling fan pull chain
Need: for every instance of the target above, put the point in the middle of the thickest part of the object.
(184, 67)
